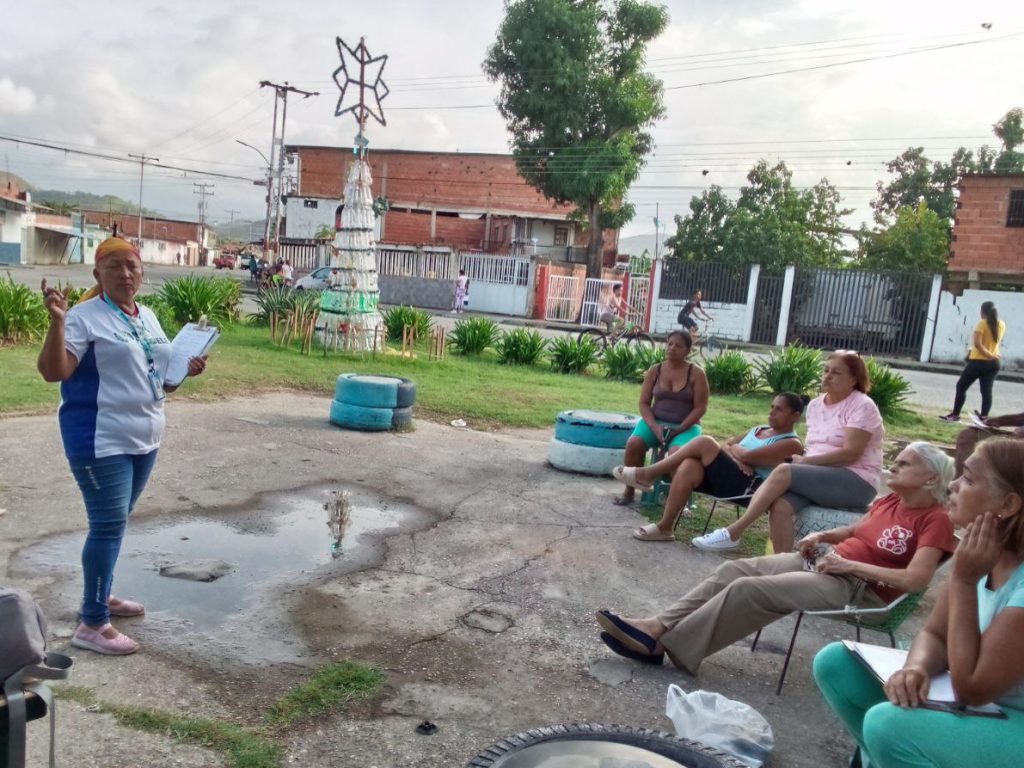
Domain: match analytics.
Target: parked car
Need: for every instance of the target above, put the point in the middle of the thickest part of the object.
(224, 261)
(314, 281)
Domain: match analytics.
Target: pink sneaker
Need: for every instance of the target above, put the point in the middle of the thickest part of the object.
(124, 608)
(94, 640)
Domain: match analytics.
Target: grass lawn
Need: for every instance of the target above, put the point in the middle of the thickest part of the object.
(479, 390)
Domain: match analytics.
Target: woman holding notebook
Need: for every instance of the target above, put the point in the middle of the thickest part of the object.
(974, 632)
(110, 356)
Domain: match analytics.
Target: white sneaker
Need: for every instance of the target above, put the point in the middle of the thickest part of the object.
(716, 541)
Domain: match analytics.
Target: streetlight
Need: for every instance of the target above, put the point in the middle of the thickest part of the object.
(270, 187)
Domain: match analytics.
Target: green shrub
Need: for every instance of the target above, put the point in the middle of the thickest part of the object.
(889, 389)
(648, 356)
(623, 363)
(163, 313)
(74, 294)
(570, 355)
(729, 373)
(23, 316)
(275, 298)
(191, 296)
(793, 369)
(520, 347)
(471, 337)
(398, 317)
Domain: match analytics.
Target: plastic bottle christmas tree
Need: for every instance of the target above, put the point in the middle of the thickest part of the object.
(349, 305)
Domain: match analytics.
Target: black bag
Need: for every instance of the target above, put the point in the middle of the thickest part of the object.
(24, 662)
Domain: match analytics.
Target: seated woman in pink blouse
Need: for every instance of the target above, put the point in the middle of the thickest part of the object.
(840, 467)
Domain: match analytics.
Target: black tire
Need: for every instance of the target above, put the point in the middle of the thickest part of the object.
(691, 754)
(711, 347)
(637, 340)
(598, 336)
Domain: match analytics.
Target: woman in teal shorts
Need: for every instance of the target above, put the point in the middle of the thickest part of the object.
(974, 631)
(673, 400)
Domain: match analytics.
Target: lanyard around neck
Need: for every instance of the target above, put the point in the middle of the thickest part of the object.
(143, 338)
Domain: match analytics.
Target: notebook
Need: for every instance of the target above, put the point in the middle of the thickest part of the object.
(192, 341)
(883, 662)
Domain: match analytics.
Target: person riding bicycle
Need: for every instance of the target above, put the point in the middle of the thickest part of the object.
(691, 308)
(611, 307)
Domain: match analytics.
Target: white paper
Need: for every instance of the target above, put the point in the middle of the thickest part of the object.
(191, 341)
(885, 662)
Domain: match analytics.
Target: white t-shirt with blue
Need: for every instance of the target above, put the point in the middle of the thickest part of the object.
(990, 603)
(108, 406)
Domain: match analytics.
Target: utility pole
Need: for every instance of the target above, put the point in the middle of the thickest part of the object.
(231, 212)
(143, 159)
(281, 92)
(201, 190)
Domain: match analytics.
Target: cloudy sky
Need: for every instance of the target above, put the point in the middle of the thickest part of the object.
(180, 81)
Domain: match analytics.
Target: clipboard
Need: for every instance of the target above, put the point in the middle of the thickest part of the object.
(883, 662)
(192, 341)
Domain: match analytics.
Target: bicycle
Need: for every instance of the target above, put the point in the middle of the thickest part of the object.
(709, 346)
(630, 334)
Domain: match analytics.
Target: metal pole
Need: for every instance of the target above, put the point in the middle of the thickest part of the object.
(142, 167)
(280, 166)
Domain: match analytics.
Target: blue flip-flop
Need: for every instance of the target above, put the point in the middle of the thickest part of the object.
(646, 658)
(629, 636)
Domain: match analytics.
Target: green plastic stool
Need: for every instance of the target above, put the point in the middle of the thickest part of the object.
(657, 495)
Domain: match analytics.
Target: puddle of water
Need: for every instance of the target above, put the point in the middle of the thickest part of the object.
(281, 544)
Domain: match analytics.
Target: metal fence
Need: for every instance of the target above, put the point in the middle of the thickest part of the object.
(563, 298)
(305, 257)
(720, 283)
(639, 294)
(871, 312)
(596, 293)
(430, 263)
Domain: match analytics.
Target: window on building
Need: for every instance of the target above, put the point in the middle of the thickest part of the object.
(1015, 215)
(561, 235)
(310, 203)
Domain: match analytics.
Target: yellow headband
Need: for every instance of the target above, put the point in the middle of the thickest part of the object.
(114, 245)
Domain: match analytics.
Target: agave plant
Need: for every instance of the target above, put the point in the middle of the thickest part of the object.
(22, 314)
(192, 296)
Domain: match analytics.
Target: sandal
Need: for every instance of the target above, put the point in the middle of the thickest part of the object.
(124, 608)
(622, 501)
(94, 640)
(651, 532)
(627, 475)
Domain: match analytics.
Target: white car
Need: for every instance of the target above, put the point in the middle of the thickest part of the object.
(314, 281)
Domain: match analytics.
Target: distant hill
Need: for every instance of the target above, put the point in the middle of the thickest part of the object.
(93, 202)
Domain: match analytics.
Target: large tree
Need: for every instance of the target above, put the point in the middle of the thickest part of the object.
(915, 178)
(578, 102)
(773, 223)
(917, 241)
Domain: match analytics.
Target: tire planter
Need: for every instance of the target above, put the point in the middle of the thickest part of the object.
(375, 391)
(595, 428)
(368, 419)
(593, 743)
(812, 519)
(585, 459)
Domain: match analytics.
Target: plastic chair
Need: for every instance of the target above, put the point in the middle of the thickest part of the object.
(895, 614)
(728, 499)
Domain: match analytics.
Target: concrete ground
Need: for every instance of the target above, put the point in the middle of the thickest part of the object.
(478, 605)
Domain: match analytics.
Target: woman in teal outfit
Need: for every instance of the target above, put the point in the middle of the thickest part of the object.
(673, 400)
(974, 631)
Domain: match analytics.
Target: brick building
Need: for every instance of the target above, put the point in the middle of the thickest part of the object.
(468, 201)
(163, 239)
(988, 232)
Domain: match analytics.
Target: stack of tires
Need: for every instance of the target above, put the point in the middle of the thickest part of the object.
(372, 403)
(590, 442)
(814, 519)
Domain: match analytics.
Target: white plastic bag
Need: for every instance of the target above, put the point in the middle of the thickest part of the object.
(712, 719)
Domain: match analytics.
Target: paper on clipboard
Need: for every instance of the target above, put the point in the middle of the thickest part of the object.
(976, 423)
(191, 341)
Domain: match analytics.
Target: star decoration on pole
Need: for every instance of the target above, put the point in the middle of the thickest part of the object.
(364, 72)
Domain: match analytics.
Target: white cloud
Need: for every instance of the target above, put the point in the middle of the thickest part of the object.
(15, 99)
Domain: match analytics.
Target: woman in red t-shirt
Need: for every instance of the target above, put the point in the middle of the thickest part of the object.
(895, 548)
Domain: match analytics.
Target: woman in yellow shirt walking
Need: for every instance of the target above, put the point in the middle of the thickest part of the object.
(982, 361)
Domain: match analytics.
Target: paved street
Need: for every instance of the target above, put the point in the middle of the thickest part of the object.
(933, 391)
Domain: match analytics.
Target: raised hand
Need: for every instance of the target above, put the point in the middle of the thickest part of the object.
(979, 550)
(55, 300)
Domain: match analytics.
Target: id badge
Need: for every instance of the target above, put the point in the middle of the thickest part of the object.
(157, 385)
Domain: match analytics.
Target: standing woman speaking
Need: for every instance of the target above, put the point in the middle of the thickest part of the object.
(109, 355)
(982, 361)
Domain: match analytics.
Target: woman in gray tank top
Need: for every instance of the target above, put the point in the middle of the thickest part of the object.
(673, 399)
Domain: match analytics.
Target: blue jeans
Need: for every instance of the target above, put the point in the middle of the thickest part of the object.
(110, 487)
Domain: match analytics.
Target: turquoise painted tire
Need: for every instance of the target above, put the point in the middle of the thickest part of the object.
(362, 418)
(585, 459)
(375, 391)
(599, 429)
